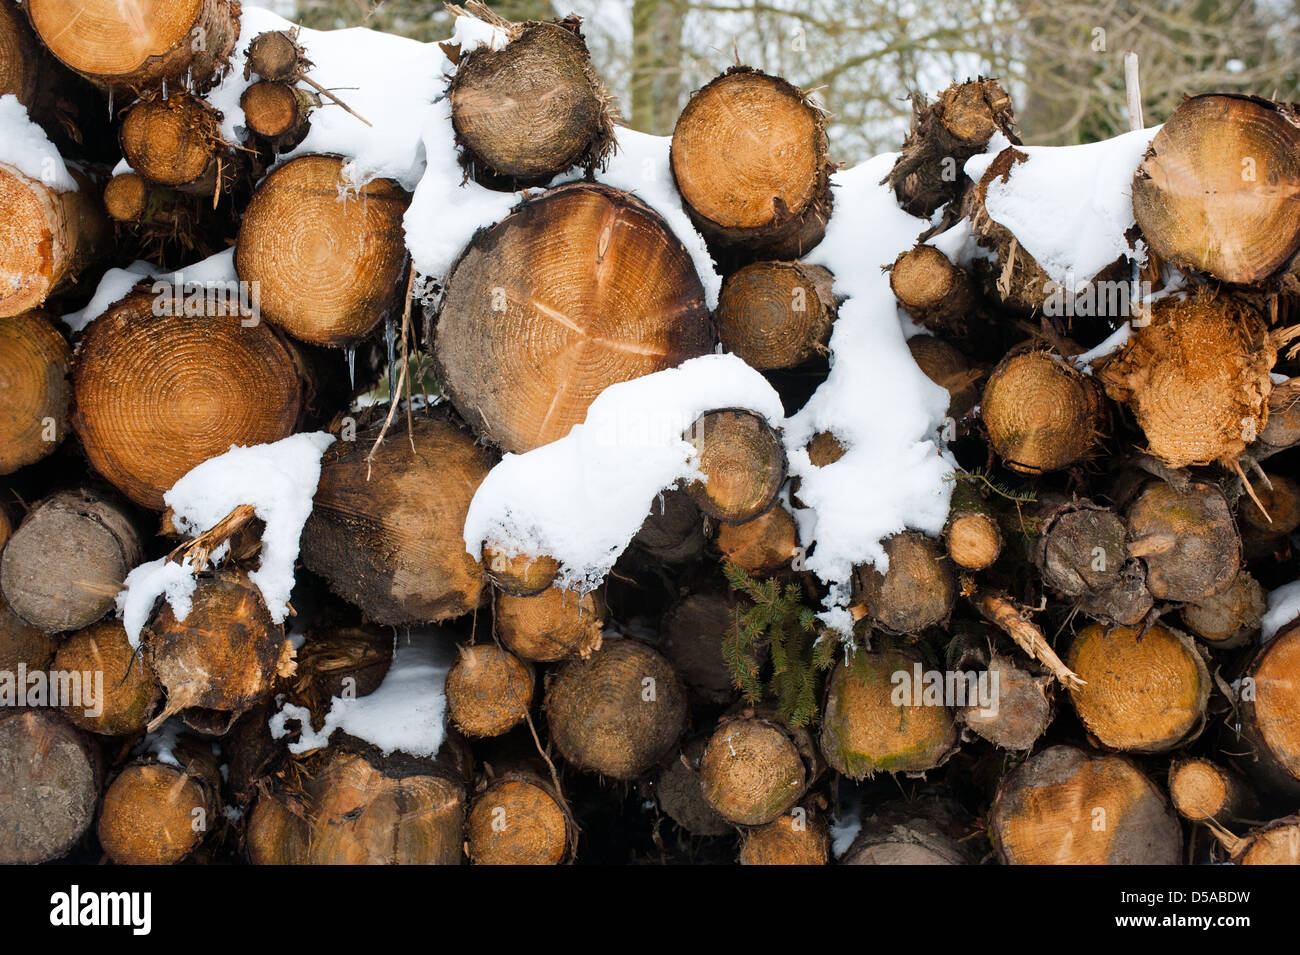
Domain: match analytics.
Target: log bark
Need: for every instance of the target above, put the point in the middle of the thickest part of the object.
(617, 713)
(341, 661)
(1229, 619)
(551, 305)
(776, 314)
(1081, 552)
(34, 364)
(1022, 698)
(760, 196)
(158, 394)
(1066, 806)
(297, 233)
(49, 786)
(1216, 190)
(950, 370)
(133, 44)
(64, 566)
(47, 237)
(386, 533)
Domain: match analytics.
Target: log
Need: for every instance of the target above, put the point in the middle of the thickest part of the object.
(1204, 791)
(517, 819)
(798, 838)
(47, 237)
(1066, 806)
(130, 691)
(929, 832)
(519, 575)
(279, 113)
(933, 290)
(308, 226)
(128, 45)
(690, 636)
(1216, 190)
(1229, 619)
(1277, 843)
(944, 134)
(489, 690)
(158, 394)
(681, 797)
(386, 533)
(948, 368)
(551, 305)
(532, 109)
(34, 364)
(21, 644)
(742, 462)
(345, 807)
(1269, 698)
(776, 314)
(755, 769)
(1023, 702)
(1196, 377)
(132, 199)
(971, 535)
(49, 786)
(551, 626)
(864, 731)
(20, 57)
(1041, 413)
(64, 566)
(341, 661)
(174, 141)
(1273, 509)
(917, 591)
(221, 660)
(1187, 539)
(1143, 692)
(673, 531)
(765, 545)
(764, 196)
(617, 713)
(157, 812)
(1082, 553)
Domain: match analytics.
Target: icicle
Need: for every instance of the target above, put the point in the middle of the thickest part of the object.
(189, 79)
(164, 89)
(110, 104)
(351, 353)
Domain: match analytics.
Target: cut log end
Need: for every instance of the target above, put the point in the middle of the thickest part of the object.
(489, 690)
(517, 820)
(776, 314)
(551, 626)
(768, 194)
(1041, 414)
(743, 463)
(34, 365)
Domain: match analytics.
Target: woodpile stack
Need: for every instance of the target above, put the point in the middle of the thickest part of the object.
(1095, 658)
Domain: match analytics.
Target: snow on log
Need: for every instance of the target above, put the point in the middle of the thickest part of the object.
(581, 499)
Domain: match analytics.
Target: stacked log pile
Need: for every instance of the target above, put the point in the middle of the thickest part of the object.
(1095, 660)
